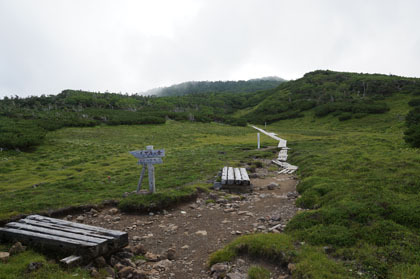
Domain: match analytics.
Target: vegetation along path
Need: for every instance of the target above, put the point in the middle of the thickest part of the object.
(191, 232)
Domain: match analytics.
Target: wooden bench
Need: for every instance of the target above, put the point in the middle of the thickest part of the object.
(238, 176)
(66, 237)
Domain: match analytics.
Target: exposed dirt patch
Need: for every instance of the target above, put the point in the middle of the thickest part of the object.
(195, 230)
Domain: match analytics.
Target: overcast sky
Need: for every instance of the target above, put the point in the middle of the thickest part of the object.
(131, 46)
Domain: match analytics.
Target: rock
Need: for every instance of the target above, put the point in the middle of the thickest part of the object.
(4, 256)
(219, 270)
(130, 272)
(228, 210)
(110, 271)
(113, 261)
(140, 262)
(213, 196)
(113, 211)
(163, 265)
(183, 212)
(136, 238)
(127, 262)
(124, 255)
(221, 201)
(80, 219)
(276, 217)
(291, 267)
(203, 233)
(138, 250)
(151, 257)
(272, 186)
(69, 217)
(236, 275)
(242, 212)
(94, 273)
(33, 266)
(17, 248)
(93, 211)
(100, 262)
(116, 218)
(185, 247)
(170, 254)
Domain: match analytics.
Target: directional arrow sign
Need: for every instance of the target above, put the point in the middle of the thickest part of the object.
(140, 154)
(150, 161)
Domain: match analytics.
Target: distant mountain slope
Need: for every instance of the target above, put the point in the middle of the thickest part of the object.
(197, 87)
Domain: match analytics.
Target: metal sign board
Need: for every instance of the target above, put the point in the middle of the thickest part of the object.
(150, 161)
(140, 154)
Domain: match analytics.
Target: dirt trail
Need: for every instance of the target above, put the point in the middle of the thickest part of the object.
(194, 230)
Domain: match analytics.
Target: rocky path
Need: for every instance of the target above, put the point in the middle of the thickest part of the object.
(179, 241)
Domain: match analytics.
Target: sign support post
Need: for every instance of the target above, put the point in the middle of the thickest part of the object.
(148, 158)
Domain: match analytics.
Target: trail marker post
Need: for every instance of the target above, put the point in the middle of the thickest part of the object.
(149, 158)
(258, 137)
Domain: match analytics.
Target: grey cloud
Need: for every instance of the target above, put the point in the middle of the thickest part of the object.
(132, 46)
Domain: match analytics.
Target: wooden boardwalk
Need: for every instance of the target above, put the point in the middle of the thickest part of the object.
(282, 157)
(69, 238)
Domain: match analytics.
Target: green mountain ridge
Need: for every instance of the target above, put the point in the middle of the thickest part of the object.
(199, 87)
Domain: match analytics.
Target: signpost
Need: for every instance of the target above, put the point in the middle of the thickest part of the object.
(149, 158)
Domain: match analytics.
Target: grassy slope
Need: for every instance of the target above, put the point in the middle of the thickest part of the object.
(72, 167)
(360, 184)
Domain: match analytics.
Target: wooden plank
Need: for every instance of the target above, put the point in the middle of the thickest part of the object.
(71, 260)
(65, 229)
(282, 143)
(245, 177)
(63, 245)
(238, 176)
(231, 177)
(55, 232)
(16, 233)
(77, 225)
(120, 238)
(224, 175)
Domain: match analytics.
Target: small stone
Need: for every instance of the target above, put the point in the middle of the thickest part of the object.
(242, 212)
(4, 256)
(139, 249)
(151, 214)
(69, 217)
(291, 267)
(94, 273)
(100, 262)
(130, 272)
(113, 211)
(170, 254)
(183, 212)
(228, 210)
(93, 211)
(125, 255)
(236, 275)
(80, 219)
(116, 218)
(17, 248)
(110, 271)
(185, 247)
(272, 186)
(219, 270)
(151, 257)
(203, 233)
(127, 262)
(136, 238)
(164, 264)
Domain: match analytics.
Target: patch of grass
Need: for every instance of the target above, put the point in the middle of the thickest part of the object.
(313, 263)
(77, 166)
(275, 247)
(258, 272)
(17, 264)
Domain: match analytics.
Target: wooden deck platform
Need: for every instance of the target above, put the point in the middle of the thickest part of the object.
(68, 237)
